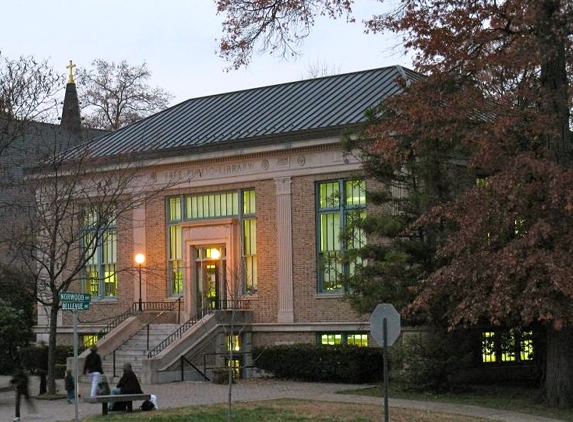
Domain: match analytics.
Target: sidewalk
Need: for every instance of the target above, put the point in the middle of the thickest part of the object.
(181, 394)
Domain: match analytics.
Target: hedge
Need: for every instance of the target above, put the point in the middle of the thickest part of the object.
(29, 357)
(307, 362)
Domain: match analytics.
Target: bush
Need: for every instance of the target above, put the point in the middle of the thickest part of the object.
(29, 359)
(60, 370)
(432, 361)
(306, 362)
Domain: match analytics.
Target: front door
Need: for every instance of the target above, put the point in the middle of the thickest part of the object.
(209, 276)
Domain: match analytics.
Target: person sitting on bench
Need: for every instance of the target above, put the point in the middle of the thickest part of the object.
(128, 384)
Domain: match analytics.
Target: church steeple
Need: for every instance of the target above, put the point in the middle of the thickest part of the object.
(71, 119)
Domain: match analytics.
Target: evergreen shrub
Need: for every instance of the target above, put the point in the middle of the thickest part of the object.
(29, 359)
(434, 361)
(307, 362)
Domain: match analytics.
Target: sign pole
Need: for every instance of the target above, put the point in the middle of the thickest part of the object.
(75, 312)
(385, 335)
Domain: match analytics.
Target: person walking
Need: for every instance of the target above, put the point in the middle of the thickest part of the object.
(70, 386)
(20, 383)
(92, 366)
(42, 365)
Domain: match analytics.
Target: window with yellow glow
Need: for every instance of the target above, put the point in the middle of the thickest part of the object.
(506, 347)
(341, 204)
(337, 339)
(235, 365)
(234, 343)
(240, 204)
(100, 241)
(89, 340)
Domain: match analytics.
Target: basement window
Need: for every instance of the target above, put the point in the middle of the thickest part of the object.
(349, 339)
(506, 346)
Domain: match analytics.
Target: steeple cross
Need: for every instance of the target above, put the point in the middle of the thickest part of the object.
(71, 77)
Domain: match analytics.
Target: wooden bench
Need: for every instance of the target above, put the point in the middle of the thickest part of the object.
(112, 398)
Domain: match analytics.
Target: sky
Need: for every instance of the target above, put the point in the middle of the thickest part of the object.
(178, 41)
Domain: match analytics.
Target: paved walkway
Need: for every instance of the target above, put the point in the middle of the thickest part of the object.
(193, 393)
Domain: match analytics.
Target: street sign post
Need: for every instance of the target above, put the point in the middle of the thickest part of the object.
(75, 302)
(385, 329)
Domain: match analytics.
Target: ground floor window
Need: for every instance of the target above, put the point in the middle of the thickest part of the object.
(350, 339)
(235, 366)
(506, 346)
(234, 343)
(89, 340)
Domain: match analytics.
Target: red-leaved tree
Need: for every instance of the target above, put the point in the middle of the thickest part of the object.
(497, 93)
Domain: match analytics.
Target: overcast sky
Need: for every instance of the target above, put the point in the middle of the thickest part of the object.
(178, 40)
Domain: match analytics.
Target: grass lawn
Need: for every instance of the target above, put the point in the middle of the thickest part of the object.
(285, 410)
(513, 398)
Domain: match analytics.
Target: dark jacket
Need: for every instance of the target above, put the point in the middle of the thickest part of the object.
(93, 363)
(20, 382)
(69, 382)
(128, 383)
(42, 358)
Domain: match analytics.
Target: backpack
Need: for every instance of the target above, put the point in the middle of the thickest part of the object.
(147, 405)
(103, 387)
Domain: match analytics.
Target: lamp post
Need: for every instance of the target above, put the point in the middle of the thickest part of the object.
(140, 259)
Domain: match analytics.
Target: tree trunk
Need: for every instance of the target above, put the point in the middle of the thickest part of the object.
(558, 388)
(51, 381)
(554, 80)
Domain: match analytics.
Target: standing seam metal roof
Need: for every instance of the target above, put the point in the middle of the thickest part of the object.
(321, 103)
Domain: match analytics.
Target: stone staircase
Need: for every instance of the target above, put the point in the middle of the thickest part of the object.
(135, 350)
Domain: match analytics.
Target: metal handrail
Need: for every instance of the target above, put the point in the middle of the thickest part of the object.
(232, 304)
(178, 332)
(183, 359)
(168, 306)
(114, 323)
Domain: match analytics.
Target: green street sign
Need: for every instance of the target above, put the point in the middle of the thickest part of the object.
(75, 306)
(75, 297)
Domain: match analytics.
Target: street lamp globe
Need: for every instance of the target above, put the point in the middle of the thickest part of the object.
(140, 258)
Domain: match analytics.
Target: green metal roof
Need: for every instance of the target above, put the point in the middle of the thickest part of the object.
(261, 114)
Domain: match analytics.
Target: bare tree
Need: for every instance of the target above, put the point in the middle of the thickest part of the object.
(67, 208)
(238, 320)
(277, 26)
(317, 70)
(114, 95)
(27, 89)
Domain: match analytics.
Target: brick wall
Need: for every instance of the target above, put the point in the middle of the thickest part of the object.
(309, 305)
